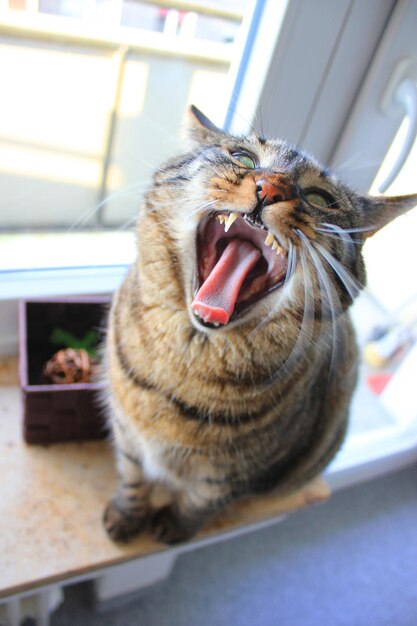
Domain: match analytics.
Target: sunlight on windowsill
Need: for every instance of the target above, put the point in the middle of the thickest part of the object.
(33, 251)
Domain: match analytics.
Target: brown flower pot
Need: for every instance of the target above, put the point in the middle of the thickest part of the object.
(58, 412)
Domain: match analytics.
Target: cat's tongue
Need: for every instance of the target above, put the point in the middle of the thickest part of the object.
(216, 298)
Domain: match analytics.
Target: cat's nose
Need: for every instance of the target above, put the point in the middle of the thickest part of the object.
(270, 192)
(267, 192)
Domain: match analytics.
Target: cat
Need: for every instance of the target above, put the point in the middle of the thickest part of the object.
(230, 355)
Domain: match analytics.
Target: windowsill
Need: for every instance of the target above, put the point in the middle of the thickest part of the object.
(42, 265)
(371, 454)
(38, 265)
(51, 251)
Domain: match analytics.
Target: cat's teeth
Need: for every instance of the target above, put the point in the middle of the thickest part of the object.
(231, 218)
(270, 239)
(205, 318)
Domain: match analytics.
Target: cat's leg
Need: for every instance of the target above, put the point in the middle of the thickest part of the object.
(128, 510)
(182, 519)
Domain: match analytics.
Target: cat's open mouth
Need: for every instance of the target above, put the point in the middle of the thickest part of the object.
(239, 262)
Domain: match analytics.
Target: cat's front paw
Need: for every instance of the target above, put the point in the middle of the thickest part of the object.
(167, 526)
(121, 524)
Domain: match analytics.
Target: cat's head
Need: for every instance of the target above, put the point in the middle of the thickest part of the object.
(257, 225)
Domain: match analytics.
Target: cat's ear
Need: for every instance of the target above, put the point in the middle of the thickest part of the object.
(380, 210)
(199, 129)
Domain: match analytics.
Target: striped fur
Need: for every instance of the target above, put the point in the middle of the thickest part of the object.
(203, 415)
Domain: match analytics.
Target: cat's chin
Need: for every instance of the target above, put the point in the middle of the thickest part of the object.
(239, 263)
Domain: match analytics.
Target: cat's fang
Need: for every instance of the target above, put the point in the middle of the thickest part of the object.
(270, 239)
(231, 218)
(221, 218)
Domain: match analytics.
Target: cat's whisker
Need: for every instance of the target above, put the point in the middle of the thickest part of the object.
(361, 229)
(352, 286)
(85, 217)
(127, 224)
(291, 267)
(330, 305)
(354, 163)
(82, 220)
(164, 221)
(340, 237)
(237, 115)
(223, 170)
(306, 331)
(335, 232)
(291, 263)
(203, 207)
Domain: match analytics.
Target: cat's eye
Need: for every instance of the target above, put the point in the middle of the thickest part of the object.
(245, 159)
(320, 199)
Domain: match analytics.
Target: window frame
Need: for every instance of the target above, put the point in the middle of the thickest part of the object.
(315, 120)
(315, 123)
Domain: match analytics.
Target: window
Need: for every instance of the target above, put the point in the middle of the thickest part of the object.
(93, 95)
(313, 73)
(376, 131)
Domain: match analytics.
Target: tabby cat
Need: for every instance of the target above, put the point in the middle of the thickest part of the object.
(230, 354)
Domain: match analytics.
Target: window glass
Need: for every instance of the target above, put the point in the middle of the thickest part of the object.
(392, 252)
(93, 95)
(386, 316)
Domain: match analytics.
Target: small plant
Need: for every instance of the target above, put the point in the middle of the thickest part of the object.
(76, 361)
